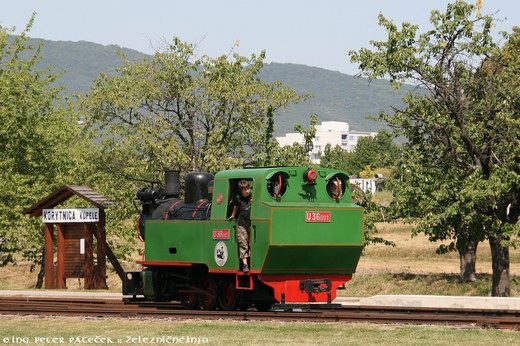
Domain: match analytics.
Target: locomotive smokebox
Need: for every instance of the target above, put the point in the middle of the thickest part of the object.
(172, 187)
(197, 186)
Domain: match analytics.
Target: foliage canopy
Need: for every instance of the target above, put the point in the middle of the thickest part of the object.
(463, 146)
(183, 111)
(35, 136)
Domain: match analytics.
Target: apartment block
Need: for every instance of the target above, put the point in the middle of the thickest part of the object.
(328, 132)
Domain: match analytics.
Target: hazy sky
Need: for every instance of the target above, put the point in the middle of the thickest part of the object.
(316, 33)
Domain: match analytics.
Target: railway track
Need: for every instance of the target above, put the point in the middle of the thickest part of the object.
(483, 318)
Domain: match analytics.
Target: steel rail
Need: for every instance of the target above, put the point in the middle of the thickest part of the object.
(483, 318)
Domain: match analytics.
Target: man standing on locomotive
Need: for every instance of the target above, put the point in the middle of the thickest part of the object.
(242, 207)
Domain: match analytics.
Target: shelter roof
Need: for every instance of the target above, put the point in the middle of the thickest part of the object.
(64, 193)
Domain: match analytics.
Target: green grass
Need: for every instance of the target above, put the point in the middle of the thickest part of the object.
(251, 332)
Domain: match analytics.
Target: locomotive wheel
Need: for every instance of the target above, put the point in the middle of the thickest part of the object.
(208, 300)
(229, 297)
(190, 301)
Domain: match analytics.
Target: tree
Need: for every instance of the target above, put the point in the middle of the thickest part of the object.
(431, 196)
(289, 155)
(336, 157)
(372, 152)
(178, 110)
(36, 132)
(496, 96)
(375, 152)
(461, 128)
(296, 154)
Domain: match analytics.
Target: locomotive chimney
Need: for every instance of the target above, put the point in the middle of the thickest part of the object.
(171, 184)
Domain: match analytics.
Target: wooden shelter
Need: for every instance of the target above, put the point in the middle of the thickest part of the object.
(76, 229)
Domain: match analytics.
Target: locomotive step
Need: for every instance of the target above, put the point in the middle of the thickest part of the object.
(244, 281)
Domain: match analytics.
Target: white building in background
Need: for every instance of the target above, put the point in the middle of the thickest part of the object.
(329, 132)
(365, 184)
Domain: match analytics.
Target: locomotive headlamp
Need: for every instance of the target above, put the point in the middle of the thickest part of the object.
(147, 195)
(310, 175)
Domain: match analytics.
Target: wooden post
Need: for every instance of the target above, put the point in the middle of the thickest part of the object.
(115, 263)
(61, 259)
(50, 280)
(89, 258)
(101, 272)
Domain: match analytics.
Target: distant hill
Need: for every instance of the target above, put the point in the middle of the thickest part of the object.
(83, 61)
(336, 96)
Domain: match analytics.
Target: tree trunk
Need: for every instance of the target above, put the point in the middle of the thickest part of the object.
(468, 260)
(500, 264)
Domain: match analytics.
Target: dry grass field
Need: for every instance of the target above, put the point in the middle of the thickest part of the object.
(411, 267)
(417, 255)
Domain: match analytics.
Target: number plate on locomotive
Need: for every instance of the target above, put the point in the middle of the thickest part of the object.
(317, 216)
(221, 234)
